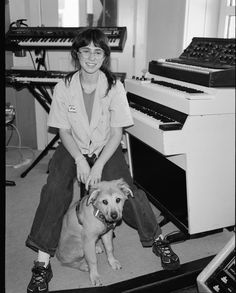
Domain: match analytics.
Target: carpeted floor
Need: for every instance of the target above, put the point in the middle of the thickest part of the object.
(21, 203)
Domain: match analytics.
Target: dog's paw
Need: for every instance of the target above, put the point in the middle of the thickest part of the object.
(115, 264)
(99, 249)
(95, 279)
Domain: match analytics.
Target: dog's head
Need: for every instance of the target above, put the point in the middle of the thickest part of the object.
(109, 197)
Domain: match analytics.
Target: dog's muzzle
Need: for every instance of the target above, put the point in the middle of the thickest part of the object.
(114, 215)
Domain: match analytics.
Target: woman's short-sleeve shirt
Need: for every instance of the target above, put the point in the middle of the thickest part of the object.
(68, 112)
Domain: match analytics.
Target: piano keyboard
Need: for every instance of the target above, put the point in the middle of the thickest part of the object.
(165, 124)
(154, 114)
(145, 118)
(58, 42)
(42, 80)
(44, 42)
(34, 76)
(149, 130)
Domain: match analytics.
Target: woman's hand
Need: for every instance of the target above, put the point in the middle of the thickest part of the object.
(95, 174)
(83, 170)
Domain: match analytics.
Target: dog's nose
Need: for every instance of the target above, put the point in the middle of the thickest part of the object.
(114, 215)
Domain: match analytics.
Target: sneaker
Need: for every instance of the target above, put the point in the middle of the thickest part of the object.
(40, 278)
(169, 260)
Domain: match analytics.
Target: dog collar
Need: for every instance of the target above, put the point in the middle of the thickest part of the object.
(99, 215)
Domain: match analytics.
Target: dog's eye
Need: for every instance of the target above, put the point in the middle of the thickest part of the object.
(118, 200)
(105, 202)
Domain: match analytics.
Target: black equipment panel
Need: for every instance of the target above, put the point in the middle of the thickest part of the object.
(215, 55)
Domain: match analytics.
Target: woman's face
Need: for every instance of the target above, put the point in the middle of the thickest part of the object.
(91, 58)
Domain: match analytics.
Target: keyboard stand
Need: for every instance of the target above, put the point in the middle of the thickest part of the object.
(42, 96)
(10, 183)
(42, 154)
(44, 99)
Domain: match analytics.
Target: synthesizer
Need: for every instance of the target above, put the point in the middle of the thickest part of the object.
(206, 61)
(24, 76)
(58, 38)
(181, 150)
(41, 77)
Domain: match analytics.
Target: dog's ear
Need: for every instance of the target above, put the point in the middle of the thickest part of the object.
(93, 195)
(124, 187)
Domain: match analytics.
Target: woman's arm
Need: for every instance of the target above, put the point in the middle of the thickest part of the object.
(82, 166)
(108, 150)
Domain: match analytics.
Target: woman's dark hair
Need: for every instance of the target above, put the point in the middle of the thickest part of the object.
(99, 39)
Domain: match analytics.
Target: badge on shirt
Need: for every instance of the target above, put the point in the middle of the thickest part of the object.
(72, 109)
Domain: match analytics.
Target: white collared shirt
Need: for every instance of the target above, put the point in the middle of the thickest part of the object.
(68, 112)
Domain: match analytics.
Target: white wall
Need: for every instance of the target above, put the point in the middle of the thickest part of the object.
(165, 28)
(201, 19)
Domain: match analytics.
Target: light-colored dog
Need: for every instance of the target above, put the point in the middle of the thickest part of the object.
(86, 221)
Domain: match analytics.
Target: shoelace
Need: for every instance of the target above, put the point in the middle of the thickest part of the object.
(164, 248)
(38, 275)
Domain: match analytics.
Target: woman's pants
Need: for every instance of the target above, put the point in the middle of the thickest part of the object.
(57, 194)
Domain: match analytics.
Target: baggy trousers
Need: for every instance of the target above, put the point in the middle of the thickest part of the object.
(57, 194)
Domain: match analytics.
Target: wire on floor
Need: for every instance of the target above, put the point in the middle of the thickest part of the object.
(22, 161)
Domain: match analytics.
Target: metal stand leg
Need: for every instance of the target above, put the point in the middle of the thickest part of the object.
(10, 183)
(43, 153)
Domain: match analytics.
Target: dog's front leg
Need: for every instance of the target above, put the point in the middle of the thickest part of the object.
(107, 240)
(90, 255)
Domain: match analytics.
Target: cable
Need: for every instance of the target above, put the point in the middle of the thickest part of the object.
(22, 161)
(10, 137)
(18, 148)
